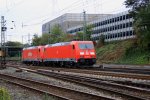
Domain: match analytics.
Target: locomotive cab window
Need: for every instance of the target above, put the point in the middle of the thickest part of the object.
(73, 47)
(44, 49)
(86, 46)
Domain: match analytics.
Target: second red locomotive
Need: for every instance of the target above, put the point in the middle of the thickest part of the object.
(62, 54)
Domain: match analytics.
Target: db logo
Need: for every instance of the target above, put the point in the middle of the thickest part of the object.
(87, 53)
(29, 54)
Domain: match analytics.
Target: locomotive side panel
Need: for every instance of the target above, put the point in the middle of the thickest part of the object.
(59, 53)
(31, 56)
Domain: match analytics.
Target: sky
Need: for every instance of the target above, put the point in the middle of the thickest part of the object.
(29, 15)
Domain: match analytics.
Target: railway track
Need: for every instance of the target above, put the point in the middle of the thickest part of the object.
(126, 70)
(90, 71)
(56, 91)
(125, 89)
(102, 73)
(116, 69)
(118, 89)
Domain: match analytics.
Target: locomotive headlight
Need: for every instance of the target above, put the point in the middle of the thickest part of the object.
(81, 53)
(92, 53)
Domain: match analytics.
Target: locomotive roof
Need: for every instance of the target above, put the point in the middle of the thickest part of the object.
(30, 47)
(58, 44)
(82, 41)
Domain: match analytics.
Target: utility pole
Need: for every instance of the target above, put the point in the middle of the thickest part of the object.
(29, 38)
(22, 39)
(3, 29)
(84, 25)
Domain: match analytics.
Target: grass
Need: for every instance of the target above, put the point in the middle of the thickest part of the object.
(4, 95)
(135, 56)
(47, 97)
(122, 52)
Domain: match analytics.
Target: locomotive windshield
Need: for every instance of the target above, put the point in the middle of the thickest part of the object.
(86, 46)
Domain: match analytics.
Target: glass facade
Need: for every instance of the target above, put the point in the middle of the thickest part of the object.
(113, 27)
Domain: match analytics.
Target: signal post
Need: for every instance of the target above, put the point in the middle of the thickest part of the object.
(2, 51)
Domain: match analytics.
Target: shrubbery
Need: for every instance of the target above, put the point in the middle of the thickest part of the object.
(4, 95)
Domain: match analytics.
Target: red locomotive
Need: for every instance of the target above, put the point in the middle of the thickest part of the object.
(32, 55)
(66, 53)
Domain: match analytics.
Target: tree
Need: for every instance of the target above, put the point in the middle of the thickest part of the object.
(45, 39)
(88, 32)
(101, 41)
(10, 43)
(83, 36)
(56, 34)
(79, 36)
(140, 10)
(66, 37)
(36, 40)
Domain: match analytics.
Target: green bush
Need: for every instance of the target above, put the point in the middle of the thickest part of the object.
(135, 56)
(123, 52)
(4, 95)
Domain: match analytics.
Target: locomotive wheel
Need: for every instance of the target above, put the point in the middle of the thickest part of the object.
(62, 64)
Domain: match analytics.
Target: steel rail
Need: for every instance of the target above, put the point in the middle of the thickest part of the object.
(127, 70)
(99, 84)
(53, 90)
(93, 72)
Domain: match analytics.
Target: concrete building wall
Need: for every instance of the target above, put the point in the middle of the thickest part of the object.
(69, 20)
(113, 27)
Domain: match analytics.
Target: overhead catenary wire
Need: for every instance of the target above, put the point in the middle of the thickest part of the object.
(77, 4)
(72, 7)
(14, 6)
(57, 13)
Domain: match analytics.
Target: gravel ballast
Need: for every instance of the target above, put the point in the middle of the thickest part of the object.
(18, 93)
(31, 96)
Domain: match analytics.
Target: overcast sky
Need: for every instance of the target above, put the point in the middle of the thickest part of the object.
(31, 14)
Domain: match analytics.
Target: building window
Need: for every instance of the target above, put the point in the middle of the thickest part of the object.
(127, 16)
(113, 19)
(111, 28)
(124, 34)
(117, 18)
(115, 27)
(110, 20)
(99, 24)
(127, 33)
(111, 35)
(127, 24)
(120, 34)
(124, 17)
(79, 29)
(120, 26)
(108, 28)
(105, 36)
(131, 24)
(131, 32)
(115, 35)
(105, 22)
(124, 25)
(120, 18)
